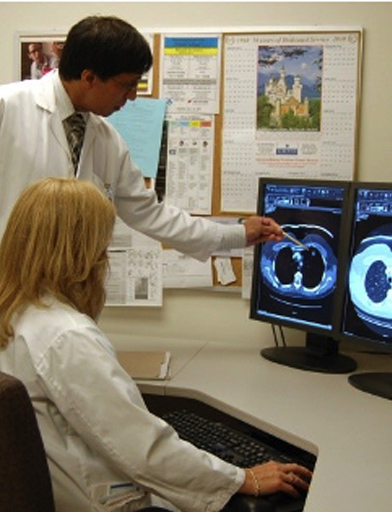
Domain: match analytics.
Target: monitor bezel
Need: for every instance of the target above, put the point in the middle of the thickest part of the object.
(357, 342)
(338, 301)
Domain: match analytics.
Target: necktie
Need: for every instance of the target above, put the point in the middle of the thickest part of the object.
(74, 127)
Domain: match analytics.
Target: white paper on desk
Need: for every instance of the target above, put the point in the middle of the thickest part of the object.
(224, 270)
(181, 271)
(135, 277)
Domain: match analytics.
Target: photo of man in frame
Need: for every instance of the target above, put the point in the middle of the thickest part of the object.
(38, 57)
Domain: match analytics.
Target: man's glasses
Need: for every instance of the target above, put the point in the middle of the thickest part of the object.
(127, 87)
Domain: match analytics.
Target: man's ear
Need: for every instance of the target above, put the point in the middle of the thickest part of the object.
(88, 78)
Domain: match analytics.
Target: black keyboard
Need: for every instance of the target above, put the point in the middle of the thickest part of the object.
(233, 441)
(224, 442)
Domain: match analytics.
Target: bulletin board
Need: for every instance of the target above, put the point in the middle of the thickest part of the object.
(288, 106)
(241, 104)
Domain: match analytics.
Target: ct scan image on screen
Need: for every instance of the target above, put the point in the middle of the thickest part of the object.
(368, 301)
(298, 283)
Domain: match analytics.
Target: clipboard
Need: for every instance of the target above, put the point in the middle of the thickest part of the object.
(147, 365)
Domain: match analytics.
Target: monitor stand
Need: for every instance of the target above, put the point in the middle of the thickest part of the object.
(375, 383)
(321, 354)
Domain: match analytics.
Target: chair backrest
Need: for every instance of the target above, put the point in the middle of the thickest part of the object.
(25, 484)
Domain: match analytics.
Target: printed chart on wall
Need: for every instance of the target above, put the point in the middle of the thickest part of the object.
(190, 72)
(189, 165)
(290, 110)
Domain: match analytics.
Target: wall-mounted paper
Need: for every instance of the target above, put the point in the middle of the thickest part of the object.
(140, 124)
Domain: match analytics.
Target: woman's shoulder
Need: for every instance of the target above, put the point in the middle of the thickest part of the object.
(56, 326)
(53, 311)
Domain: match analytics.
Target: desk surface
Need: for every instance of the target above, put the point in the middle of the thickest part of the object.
(349, 431)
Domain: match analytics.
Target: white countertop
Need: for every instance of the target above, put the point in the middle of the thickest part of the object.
(349, 431)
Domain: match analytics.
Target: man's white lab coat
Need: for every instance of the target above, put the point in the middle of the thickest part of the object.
(33, 145)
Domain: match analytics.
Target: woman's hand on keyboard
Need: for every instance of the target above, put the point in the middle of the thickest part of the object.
(274, 476)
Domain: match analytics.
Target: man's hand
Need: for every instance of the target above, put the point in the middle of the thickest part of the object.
(262, 229)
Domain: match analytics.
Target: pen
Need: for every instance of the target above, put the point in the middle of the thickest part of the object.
(297, 242)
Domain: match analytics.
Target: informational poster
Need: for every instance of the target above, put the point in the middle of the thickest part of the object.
(290, 110)
(135, 269)
(189, 164)
(190, 72)
(135, 277)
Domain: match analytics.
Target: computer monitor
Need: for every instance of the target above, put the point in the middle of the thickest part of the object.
(297, 286)
(367, 310)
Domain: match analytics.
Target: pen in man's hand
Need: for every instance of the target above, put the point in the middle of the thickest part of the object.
(297, 242)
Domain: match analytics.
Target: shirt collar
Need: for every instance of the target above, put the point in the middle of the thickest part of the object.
(63, 102)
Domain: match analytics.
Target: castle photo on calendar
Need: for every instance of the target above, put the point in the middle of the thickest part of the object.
(289, 85)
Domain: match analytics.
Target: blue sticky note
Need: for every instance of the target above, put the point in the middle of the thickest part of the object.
(140, 124)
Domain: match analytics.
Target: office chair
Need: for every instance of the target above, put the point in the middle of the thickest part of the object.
(24, 474)
(25, 484)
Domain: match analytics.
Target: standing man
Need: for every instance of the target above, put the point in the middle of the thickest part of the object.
(102, 62)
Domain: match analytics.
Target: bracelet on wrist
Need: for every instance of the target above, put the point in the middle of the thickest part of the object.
(256, 485)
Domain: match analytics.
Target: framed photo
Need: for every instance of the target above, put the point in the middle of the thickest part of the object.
(37, 53)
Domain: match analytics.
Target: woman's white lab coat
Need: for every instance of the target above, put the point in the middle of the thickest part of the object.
(33, 145)
(105, 450)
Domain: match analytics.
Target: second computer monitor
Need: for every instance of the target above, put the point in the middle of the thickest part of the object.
(367, 313)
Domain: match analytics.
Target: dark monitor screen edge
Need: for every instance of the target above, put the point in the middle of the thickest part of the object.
(302, 287)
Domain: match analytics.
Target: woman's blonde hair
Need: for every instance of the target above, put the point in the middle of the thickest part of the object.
(55, 242)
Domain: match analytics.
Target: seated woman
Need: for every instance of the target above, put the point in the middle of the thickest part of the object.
(106, 451)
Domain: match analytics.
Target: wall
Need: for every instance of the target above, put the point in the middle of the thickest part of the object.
(215, 315)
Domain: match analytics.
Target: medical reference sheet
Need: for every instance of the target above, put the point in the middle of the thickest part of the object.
(190, 72)
(189, 164)
(135, 276)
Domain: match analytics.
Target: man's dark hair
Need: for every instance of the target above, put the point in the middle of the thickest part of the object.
(105, 45)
